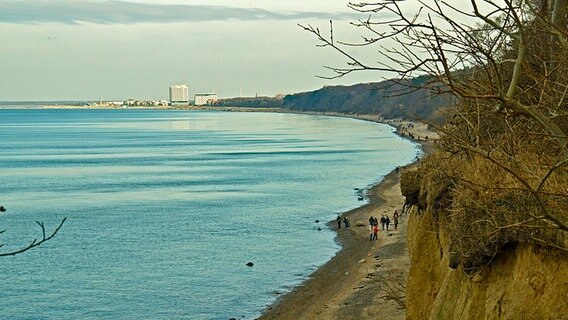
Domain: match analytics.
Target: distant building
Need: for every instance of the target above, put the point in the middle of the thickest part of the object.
(179, 93)
(202, 99)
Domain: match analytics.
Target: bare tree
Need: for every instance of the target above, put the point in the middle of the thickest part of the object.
(501, 170)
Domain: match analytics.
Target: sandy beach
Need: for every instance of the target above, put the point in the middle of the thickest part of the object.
(363, 280)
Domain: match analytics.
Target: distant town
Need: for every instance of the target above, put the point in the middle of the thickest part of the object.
(178, 95)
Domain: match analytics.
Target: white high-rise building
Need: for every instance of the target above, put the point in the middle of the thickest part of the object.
(179, 93)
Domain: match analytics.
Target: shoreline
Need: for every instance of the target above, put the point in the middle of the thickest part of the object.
(351, 285)
(412, 130)
(332, 289)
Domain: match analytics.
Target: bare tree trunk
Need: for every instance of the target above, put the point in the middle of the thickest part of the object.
(559, 21)
(559, 12)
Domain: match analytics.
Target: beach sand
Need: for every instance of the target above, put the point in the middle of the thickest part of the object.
(349, 285)
(356, 282)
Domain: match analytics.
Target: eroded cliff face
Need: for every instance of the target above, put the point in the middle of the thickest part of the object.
(523, 282)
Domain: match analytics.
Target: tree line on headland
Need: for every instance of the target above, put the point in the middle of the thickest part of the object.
(410, 100)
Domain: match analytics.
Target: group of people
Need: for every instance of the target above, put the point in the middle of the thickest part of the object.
(345, 221)
(385, 222)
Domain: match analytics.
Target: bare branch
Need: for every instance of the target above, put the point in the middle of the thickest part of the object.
(35, 242)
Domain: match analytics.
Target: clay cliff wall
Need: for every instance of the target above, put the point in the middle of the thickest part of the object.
(523, 282)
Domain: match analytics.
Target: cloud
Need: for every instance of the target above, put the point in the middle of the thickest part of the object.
(121, 12)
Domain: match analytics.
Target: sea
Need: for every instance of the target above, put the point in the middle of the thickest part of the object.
(165, 208)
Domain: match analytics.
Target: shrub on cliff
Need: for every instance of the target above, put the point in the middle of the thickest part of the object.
(410, 187)
(499, 177)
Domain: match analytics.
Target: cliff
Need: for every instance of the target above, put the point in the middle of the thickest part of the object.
(406, 99)
(523, 280)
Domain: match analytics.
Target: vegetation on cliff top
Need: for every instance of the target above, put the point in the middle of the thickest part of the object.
(499, 175)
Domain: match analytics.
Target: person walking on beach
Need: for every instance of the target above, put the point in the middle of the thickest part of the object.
(387, 222)
(395, 222)
(395, 215)
(375, 231)
(338, 219)
(346, 222)
(383, 221)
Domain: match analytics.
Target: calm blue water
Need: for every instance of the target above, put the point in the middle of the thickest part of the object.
(165, 208)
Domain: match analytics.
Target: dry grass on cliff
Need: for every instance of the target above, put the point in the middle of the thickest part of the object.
(499, 176)
(483, 208)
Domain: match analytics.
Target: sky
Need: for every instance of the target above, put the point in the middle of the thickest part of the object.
(86, 49)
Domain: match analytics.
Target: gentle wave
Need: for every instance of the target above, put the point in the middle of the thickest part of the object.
(165, 208)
